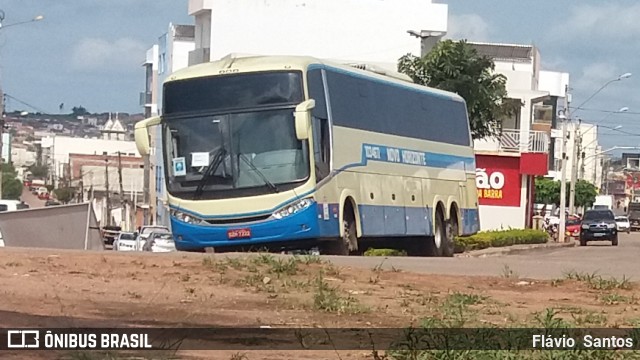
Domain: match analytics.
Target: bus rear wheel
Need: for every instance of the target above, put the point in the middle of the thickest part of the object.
(441, 243)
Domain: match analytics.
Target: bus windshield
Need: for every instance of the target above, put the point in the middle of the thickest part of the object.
(236, 154)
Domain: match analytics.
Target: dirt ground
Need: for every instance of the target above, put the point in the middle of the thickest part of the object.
(51, 288)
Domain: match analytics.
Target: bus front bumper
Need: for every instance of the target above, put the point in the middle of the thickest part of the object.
(302, 225)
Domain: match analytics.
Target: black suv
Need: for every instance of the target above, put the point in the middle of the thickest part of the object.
(598, 225)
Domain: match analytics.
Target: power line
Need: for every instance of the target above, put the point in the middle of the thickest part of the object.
(606, 111)
(26, 104)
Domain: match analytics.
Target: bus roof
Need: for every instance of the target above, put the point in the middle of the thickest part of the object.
(256, 63)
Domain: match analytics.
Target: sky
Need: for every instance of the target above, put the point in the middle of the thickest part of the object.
(89, 52)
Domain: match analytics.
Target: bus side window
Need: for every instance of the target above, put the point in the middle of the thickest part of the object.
(321, 147)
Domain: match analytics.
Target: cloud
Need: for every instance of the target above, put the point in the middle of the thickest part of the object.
(609, 21)
(100, 55)
(594, 75)
(468, 26)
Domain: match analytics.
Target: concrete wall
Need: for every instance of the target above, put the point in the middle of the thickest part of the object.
(375, 31)
(56, 227)
(95, 176)
(22, 157)
(505, 217)
(554, 82)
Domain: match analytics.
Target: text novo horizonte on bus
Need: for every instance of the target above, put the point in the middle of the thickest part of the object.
(389, 154)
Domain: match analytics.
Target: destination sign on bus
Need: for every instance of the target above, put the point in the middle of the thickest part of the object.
(395, 155)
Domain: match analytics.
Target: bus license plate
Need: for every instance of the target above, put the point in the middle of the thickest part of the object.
(238, 234)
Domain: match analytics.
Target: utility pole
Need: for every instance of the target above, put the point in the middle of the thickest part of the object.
(2, 116)
(106, 176)
(123, 201)
(563, 182)
(574, 166)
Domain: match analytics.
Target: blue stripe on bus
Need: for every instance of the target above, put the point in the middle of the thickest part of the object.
(402, 156)
(320, 221)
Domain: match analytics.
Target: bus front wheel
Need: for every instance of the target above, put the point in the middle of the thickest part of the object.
(347, 244)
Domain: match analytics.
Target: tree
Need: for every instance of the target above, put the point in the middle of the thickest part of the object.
(586, 193)
(11, 186)
(65, 194)
(79, 111)
(457, 67)
(548, 192)
(39, 171)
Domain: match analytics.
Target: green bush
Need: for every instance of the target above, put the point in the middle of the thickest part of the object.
(384, 252)
(500, 238)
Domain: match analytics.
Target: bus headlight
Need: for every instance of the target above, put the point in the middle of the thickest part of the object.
(291, 209)
(187, 218)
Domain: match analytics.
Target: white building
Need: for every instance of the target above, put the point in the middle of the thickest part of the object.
(173, 54)
(588, 165)
(56, 150)
(522, 151)
(21, 156)
(6, 147)
(169, 55)
(375, 31)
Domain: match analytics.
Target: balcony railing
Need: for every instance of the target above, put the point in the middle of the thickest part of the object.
(512, 141)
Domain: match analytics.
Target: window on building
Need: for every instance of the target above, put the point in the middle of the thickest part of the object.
(542, 114)
(633, 163)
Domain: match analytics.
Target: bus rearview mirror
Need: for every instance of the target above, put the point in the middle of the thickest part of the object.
(142, 134)
(303, 118)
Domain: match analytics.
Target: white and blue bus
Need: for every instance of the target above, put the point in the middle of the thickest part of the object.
(281, 150)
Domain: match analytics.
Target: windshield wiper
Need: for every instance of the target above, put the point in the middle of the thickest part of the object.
(211, 169)
(264, 178)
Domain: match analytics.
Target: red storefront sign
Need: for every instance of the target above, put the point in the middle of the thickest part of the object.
(498, 180)
(633, 181)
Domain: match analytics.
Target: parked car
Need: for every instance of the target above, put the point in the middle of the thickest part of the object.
(623, 224)
(572, 227)
(598, 225)
(126, 241)
(160, 242)
(12, 205)
(51, 203)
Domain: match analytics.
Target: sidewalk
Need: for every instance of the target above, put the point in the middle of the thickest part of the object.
(511, 250)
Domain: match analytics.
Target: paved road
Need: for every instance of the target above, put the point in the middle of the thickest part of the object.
(30, 199)
(602, 258)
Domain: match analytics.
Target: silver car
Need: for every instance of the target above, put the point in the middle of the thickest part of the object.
(160, 242)
(623, 224)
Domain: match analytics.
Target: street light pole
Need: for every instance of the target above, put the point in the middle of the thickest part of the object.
(577, 139)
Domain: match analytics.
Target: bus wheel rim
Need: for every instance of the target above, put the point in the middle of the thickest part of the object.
(438, 237)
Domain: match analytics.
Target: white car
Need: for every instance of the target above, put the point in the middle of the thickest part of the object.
(623, 224)
(126, 241)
